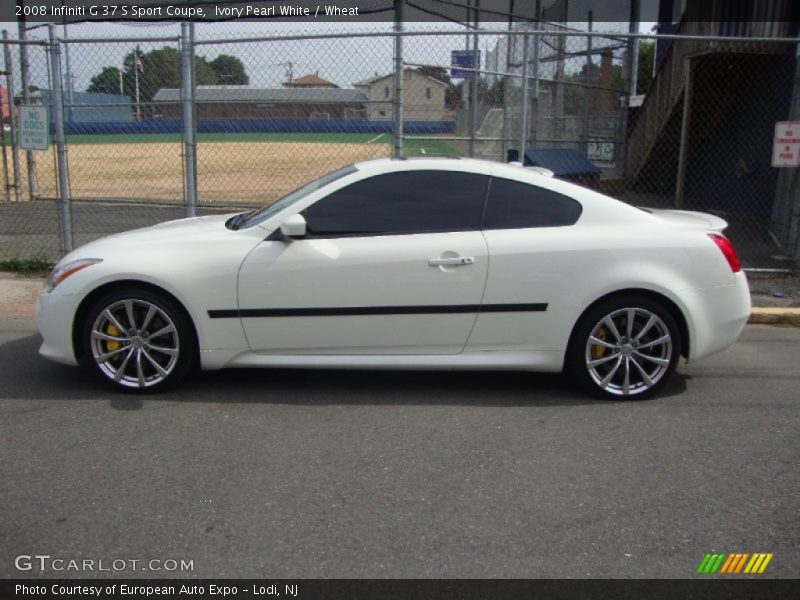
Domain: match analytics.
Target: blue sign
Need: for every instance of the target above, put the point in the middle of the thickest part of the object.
(466, 59)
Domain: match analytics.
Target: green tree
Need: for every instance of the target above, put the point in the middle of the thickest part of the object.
(452, 95)
(229, 70)
(161, 68)
(647, 51)
(496, 94)
(105, 82)
(438, 73)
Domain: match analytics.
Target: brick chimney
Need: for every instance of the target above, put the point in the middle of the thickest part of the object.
(604, 100)
(4, 105)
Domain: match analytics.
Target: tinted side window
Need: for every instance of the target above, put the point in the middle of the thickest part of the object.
(517, 205)
(398, 203)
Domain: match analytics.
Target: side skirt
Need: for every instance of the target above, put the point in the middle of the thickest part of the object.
(491, 361)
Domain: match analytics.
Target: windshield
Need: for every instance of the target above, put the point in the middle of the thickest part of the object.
(277, 206)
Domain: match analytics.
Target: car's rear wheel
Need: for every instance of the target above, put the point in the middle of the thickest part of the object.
(138, 340)
(625, 347)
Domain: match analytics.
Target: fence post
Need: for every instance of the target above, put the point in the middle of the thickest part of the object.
(64, 207)
(473, 108)
(629, 87)
(24, 81)
(12, 125)
(187, 95)
(68, 80)
(523, 130)
(536, 59)
(789, 180)
(680, 181)
(587, 90)
(398, 79)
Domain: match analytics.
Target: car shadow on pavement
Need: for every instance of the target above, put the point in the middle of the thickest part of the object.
(28, 376)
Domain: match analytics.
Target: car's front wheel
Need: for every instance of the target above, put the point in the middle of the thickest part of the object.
(625, 347)
(138, 340)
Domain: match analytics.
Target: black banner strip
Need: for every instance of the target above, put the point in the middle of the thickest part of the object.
(400, 589)
(350, 311)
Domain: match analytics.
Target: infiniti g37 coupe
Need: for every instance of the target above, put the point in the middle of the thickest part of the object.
(406, 264)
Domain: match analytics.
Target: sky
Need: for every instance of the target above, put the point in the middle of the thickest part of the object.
(343, 61)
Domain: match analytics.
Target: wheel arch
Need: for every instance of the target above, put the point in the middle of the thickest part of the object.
(88, 301)
(666, 301)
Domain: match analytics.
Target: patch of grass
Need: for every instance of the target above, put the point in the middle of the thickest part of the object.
(429, 148)
(412, 146)
(36, 266)
(175, 138)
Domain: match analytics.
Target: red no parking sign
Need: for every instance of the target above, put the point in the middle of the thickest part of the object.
(786, 144)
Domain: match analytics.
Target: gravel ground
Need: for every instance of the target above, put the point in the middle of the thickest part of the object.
(774, 290)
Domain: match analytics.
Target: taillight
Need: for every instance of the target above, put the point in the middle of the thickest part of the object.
(727, 250)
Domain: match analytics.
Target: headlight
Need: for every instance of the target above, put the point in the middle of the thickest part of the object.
(60, 273)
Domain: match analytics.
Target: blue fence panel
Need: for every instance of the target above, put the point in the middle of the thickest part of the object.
(254, 126)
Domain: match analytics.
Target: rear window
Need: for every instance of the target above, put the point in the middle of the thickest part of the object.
(517, 205)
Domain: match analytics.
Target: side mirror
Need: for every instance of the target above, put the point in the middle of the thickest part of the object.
(294, 227)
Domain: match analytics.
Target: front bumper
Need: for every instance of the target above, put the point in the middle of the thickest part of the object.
(55, 314)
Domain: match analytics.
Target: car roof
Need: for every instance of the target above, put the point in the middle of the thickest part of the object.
(465, 165)
(597, 207)
(443, 163)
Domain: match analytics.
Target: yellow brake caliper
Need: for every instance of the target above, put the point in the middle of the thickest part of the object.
(597, 350)
(112, 345)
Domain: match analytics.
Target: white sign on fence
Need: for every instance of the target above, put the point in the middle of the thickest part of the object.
(33, 127)
(786, 145)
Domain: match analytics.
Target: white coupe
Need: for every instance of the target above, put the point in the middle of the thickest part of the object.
(407, 264)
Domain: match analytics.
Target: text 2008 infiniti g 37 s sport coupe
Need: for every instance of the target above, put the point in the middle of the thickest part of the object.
(411, 264)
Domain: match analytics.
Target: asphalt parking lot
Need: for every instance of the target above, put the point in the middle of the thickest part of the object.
(385, 474)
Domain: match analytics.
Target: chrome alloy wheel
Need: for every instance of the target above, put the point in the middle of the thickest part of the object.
(628, 351)
(134, 343)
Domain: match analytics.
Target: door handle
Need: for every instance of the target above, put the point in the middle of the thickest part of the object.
(458, 260)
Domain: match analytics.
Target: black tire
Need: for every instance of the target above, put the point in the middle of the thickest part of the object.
(648, 356)
(154, 353)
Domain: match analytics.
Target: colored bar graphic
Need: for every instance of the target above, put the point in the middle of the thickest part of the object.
(734, 563)
(711, 562)
(727, 565)
(731, 563)
(740, 564)
(754, 563)
(764, 564)
(704, 563)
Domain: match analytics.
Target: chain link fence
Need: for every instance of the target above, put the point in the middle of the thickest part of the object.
(160, 127)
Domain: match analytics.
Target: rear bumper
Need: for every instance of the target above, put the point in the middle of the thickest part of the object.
(718, 316)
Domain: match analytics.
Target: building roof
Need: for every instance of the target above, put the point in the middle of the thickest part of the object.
(86, 98)
(372, 80)
(248, 94)
(310, 80)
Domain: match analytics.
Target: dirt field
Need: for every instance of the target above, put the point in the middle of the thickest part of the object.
(228, 172)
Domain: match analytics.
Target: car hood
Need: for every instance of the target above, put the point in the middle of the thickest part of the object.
(182, 233)
(689, 219)
(169, 231)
